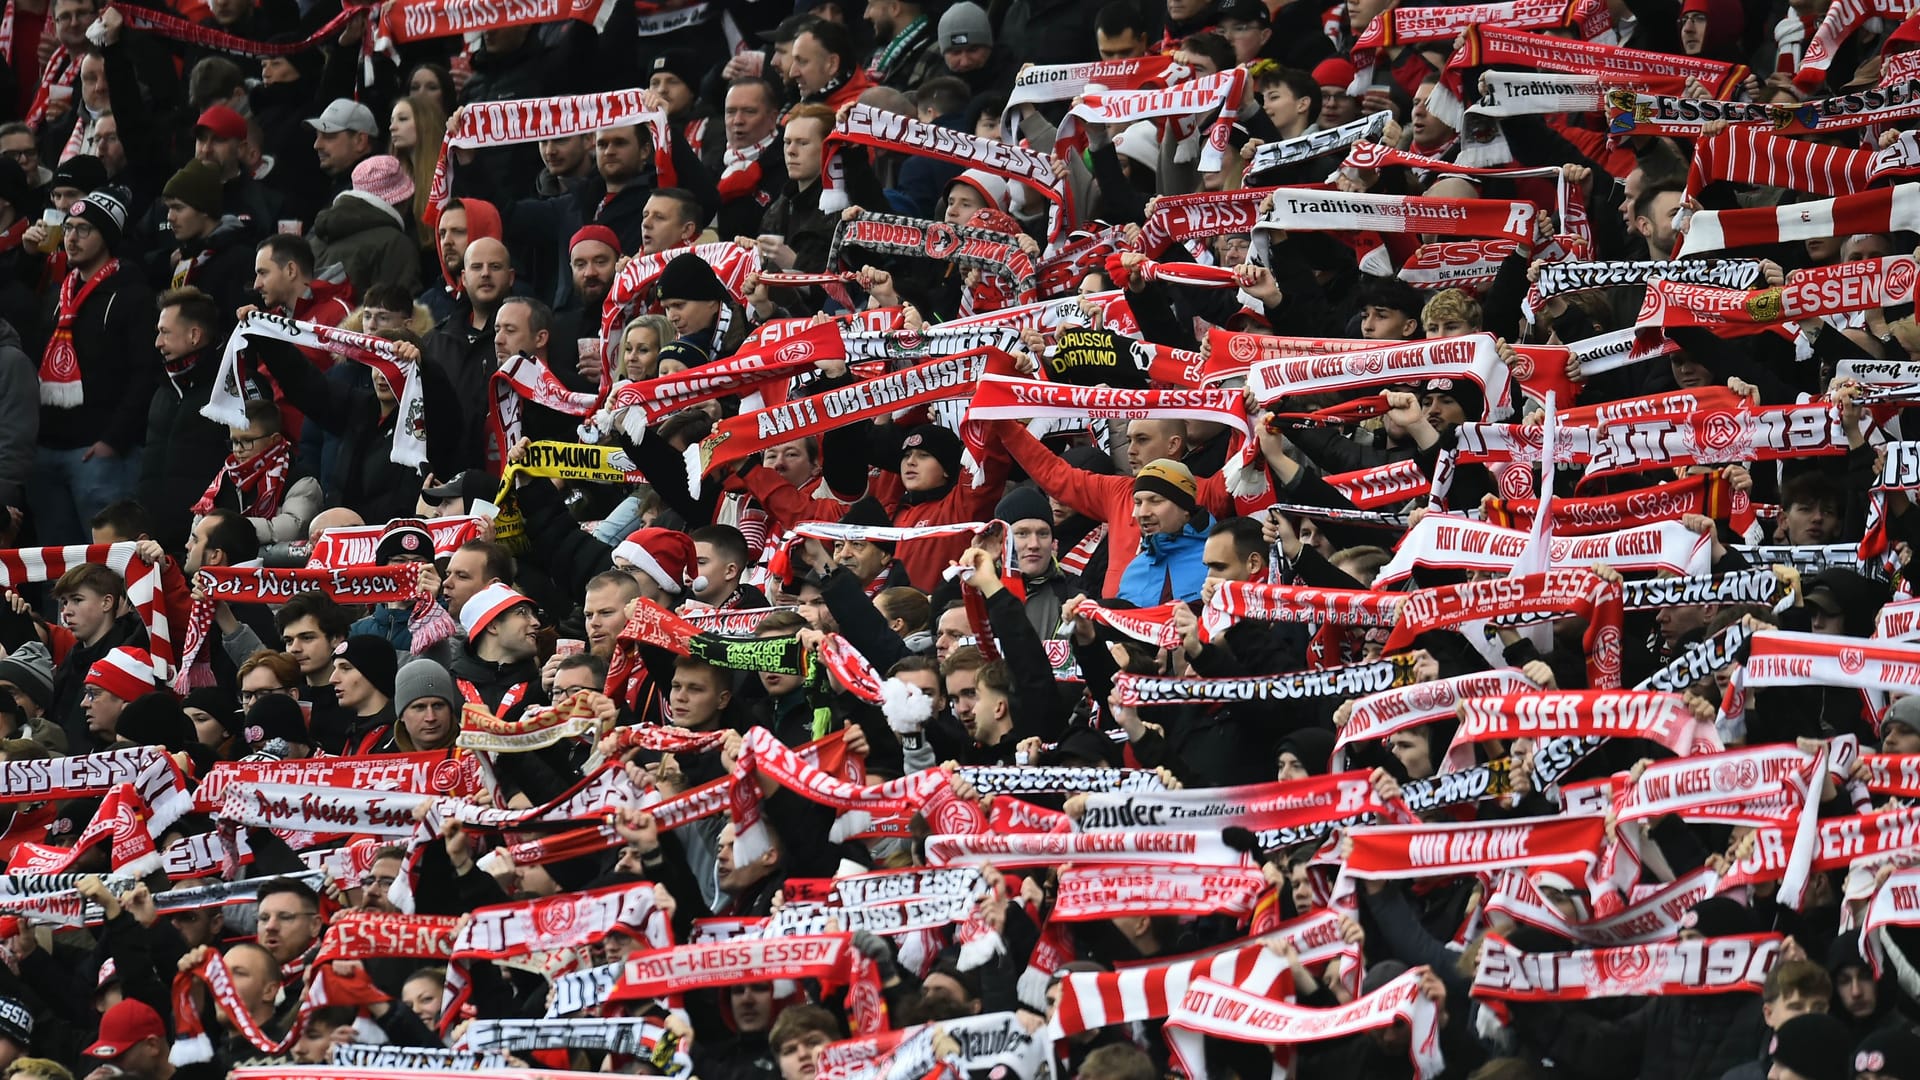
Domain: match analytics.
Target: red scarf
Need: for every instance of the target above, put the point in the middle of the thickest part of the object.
(60, 384)
(59, 71)
(260, 482)
(1556, 592)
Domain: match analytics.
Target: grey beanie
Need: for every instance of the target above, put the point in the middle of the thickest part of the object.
(30, 667)
(423, 678)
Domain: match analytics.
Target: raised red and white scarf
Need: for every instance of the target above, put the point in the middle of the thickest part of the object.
(1658, 917)
(1894, 209)
(1766, 433)
(390, 584)
(1895, 903)
(1338, 683)
(1759, 786)
(1235, 601)
(638, 405)
(1472, 357)
(1101, 849)
(1378, 715)
(892, 902)
(1152, 625)
(60, 384)
(538, 728)
(1724, 965)
(191, 1043)
(994, 254)
(1808, 294)
(1185, 106)
(1555, 593)
(123, 822)
(1000, 397)
(1705, 494)
(1631, 714)
(525, 120)
(523, 377)
(228, 404)
(1751, 154)
(740, 437)
(420, 20)
(1632, 115)
(1381, 485)
(1494, 46)
(1787, 658)
(1086, 895)
(511, 933)
(1313, 144)
(1348, 211)
(1038, 84)
(1283, 805)
(424, 772)
(167, 25)
(1227, 1011)
(1457, 543)
(1842, 19)
(25, 566)
(61, 70)
(629, 296)
(370, 935)
(663, 972)
(864, 125)
(650, 624)
(1200, 215)
(1421, 25)
(1097, 999)
(259, 482)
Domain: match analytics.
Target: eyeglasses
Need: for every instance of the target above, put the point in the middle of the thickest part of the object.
(91, 693)
(246, 442)
(29, 154)
(248, 697)
(566, 693)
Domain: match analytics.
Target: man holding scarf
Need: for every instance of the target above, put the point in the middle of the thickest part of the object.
(96, 374)
(188, 338)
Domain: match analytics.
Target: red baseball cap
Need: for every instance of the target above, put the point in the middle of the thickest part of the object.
(123, 1027)
(222, 123)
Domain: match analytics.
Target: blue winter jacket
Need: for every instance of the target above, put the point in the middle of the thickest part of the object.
(1168, 566)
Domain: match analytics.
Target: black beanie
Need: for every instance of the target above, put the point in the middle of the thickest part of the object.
(869, 512)
(689, 277)
(1024, 503)
(1467, 393)
(1817, 1046)
(1720, 917)
(155, 719)
(373, 658)
(943, 444)
(275, 716)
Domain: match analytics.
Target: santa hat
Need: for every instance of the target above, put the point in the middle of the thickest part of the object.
(665, 556)
(125, 673)
(487, 605)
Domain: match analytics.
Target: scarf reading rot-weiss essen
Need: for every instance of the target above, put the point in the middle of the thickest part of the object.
(740, 437)
(1839, 24)
(1200, 215)
(1000, 397)
(1895, 209)
(982, 249)
(1494, 46)
(427, 772)
(864, 125)
(228, 404)
(392, 584)
(1423, 25)
(524, 120)
(24, 566)
(1724, 965)
(1808, 294)
(419, 20)
(1632, 714)
(1110, 892)
(60, 384)
(1226, 1011)
(1556, 593)
(1708, 495)
(676, 970)
(260, 482)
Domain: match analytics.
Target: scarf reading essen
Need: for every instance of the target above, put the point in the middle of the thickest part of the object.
(408, 21)
(1338, 683)
(1842, 19)
(635, 406)
(1403, 26)
(991, 253)
(1094, 849)
(1378, 715)
(1723, 965)
(27, 566)
(1808, 294)
(259, 483)
(740, 437)
(1494, 46)
(1472, 357)
(1282, 805)
(678, 969)
(1000, 397)
(864, 125)
(390, 584)
(1766, 433)
(1201, 215)
(1295, 210)
(1705, 494)
(1894, 209)
(60, 383)
(228, 404)
(1555, 593)
(1631, 115)
(1110, 892)
(1185, 105)
(1632, 714)
(1225, 1011)
(1273, 155)
(371, 935)
(525, 120)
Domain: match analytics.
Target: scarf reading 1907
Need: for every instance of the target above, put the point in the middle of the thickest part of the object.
(1725, 965)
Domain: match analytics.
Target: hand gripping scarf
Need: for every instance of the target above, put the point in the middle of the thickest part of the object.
(990, 252)
(999, 397)
(538, 728)
(1039, 84)
(355, 545)
(524, 377)
(1420, 26)
(324, 988)
(1108, 892)
(122, 823)
(1152, 625)
(26, 566)
(1555, 593)
(1281, 813)
(1382, 485)
(1842, 19)
(1225, 1011)
(1895, 209)
(228, 404)
(1471, 357)
(1808, 294)
(1336, 683)
(730, 262)
(1090, 1000)
(1485, 46)
(1313, 144)
(1631, 714)
(864, 125)
(1725, 965)
(525, 120)
(639, 405)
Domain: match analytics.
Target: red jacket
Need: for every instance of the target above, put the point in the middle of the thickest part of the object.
(1102, 498)
(925, 561)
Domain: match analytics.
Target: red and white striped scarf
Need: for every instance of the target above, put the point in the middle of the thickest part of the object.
(167, 25)
(1723, 965)
(1236, 601)
(1152, 625)
(1183, 105)
(523, 377)
(1192, 275)
(1074, 561)
(1485, 46)
(746, 371)
(1895, 903)
(259, 482)
(191, 1043)
(21, 566)
(1401, 26)
(1895, 209)
(1633, 714)
(1842, 19)
(1097, 999)
(1382, 485)
(1751, 154)
(1812, 293)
